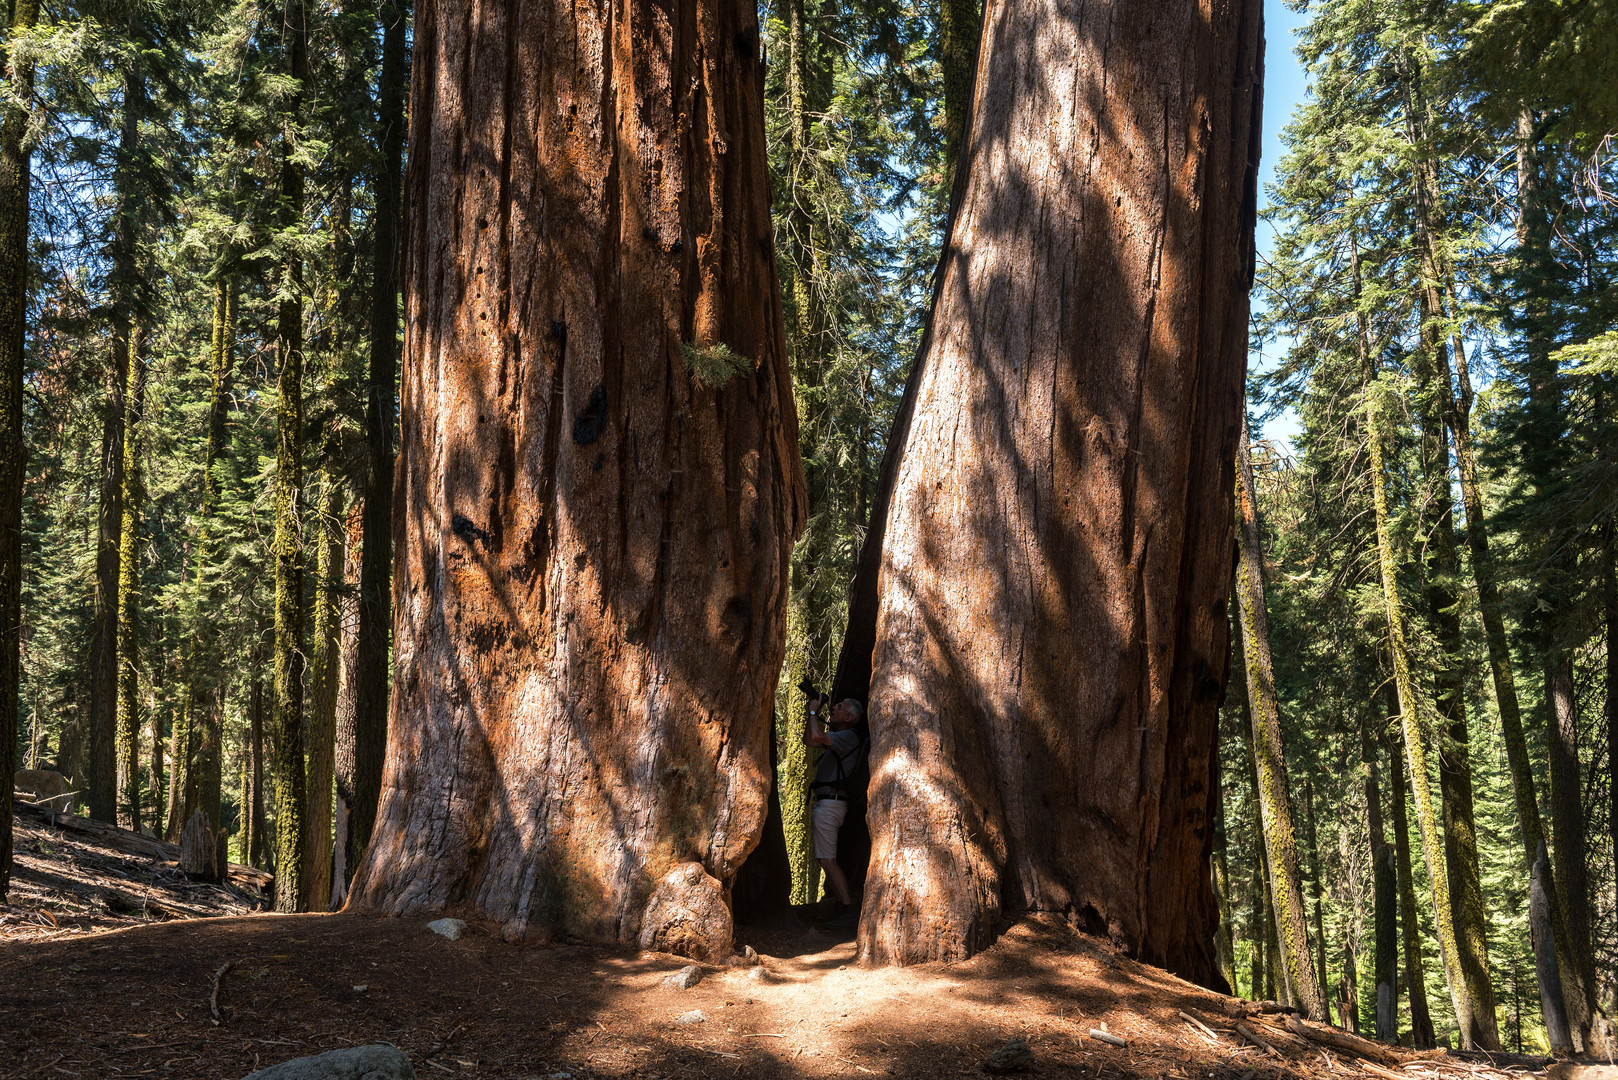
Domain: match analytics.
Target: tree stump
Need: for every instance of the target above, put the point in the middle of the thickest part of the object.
(199, 854)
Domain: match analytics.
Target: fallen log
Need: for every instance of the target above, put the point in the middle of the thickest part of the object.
(1342, 1040)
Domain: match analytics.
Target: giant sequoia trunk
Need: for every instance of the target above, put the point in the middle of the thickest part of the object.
(1050, 644)
(600, 483)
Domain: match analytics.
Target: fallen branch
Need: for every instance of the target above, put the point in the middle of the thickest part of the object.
(213, 995)
(1108, 1037)
(1253, 1037)
(1194, 1022)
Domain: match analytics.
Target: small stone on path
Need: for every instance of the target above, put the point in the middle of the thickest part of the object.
(1012, 1057)
(380, 1061)
(758, 974)
(685, 978)
(450, 928)
(687, 1019)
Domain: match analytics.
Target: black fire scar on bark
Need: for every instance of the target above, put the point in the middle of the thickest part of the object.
(592, 418)
(468, 531)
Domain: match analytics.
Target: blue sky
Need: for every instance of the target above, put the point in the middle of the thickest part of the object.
(1283, 90)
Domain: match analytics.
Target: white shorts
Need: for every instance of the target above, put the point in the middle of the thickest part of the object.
(828, 818)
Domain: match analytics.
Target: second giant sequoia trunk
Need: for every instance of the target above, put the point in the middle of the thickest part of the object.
(1051, 635)
(600, 483)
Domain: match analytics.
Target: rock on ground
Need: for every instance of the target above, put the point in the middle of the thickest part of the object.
(380, 1061)
(450, 928)
(685, 978)
(1012, 1057)
(695, 1016)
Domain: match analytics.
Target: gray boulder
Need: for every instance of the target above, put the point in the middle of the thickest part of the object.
(381, 1061)
(685, 978)
(450, 928)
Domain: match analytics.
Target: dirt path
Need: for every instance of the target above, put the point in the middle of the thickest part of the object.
(138, 1001)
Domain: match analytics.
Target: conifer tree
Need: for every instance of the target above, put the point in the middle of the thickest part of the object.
(1280, 836)
(18, 74)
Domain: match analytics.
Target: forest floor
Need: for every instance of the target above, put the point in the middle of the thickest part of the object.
(166, 993)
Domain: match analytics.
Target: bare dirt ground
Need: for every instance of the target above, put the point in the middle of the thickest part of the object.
(83, 1001)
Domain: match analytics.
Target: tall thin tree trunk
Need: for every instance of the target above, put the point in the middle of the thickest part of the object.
(1433, 407)
(1316, 889)
(1552, 1000)
(1274, 799)
(323, 688)
(1225, 941)
(959, 26)
(1422, 1035)
(381, 404)
(1569, 828)
(288, 740)
(106, 738)
(346, 733)
(1427, 816)
(1026, 502)
(1609, 603)
(15, 153)
(595, 519)
(805, 635)
(158, 780)
(1385, 877)
(258, 845)
(128, 716)
(1258, 927)
(1544, 406)
(198, 732)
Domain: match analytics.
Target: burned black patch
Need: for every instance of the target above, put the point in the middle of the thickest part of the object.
(592, 419)
(467, 530)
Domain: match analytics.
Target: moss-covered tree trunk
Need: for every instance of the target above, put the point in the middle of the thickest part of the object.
(959, 27)
(1434, 403)
(346, 734)
(323, 689)
(198, 731)
(807, 633)
(374, 647)
(1269, 760)
(1427, 813)
(288, 724)
(14, 189)
(1421, 1022)
(600, 481)
(1050, 637)
(128, 714)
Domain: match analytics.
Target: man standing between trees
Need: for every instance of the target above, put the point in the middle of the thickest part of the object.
(830, 789)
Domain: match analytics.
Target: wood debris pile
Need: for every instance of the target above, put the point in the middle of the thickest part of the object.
(73, 875)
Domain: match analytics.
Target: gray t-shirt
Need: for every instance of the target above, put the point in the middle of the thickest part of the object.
(844, 746)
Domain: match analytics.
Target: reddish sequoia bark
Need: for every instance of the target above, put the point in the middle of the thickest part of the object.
(1051, 641)
(590, 587)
